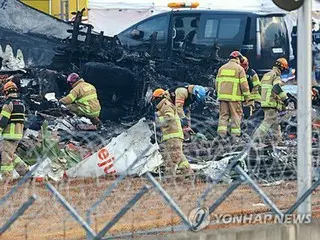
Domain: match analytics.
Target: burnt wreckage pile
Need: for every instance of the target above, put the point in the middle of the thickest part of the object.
(124, 81)
(122, 77)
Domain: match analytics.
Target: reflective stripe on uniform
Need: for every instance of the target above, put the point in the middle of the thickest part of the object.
(184, 164)
(17, 160)
(243, 80)
(12, 135)
(85, 99)
(255, 96)
(171, 135)
(178, 134)
(228, 72)
(7, 168)
(228, 79)
(263, 128)
(256, 83)
(222, 128)
(180, 101)
(231, 97)
(5, 114)
(236, 130)
(73, 98)
(266, 102)
(282, 95)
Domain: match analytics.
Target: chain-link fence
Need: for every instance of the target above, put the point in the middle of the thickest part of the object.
(230, 180)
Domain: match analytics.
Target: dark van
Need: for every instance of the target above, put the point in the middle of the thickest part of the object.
(262, 37)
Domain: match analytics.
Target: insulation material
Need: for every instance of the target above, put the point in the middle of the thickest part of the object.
(120, 153)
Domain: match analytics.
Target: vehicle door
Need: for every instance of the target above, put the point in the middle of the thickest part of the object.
(141, 36)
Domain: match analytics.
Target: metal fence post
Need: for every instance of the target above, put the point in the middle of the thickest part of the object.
(71, 210)
(304, 104)
(168, 199)
(122, 212)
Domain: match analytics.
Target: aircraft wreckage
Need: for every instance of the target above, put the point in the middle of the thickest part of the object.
(39, 51)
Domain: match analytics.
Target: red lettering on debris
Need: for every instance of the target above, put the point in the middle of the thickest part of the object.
(107, 168)
(106, 162)
(103, 154)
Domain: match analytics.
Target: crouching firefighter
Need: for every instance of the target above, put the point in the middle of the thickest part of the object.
(12, 119)
(172, 134)
(273, 100)
(82, 99)
(183, 97)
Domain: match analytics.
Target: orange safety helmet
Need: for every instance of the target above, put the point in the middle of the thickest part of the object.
(282, 63)
(245, 63)
(157, 93)
(10, 86)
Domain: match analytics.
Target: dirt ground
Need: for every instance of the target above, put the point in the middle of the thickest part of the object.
(47, 219)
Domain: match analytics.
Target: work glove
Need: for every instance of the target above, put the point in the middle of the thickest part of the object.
(63, 107)
(184, 122)
(286, 102)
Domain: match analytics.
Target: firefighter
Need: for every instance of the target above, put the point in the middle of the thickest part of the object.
(172, 134)
(232, 89)
(183, 97)
(254, 87)
(273, 100)
(82, 99)
(12, 119)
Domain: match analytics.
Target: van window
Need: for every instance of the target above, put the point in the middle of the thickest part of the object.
(185, 31)
(143, 31)
(159, 25)
(220, 27)
(229, 28)
(273, 34)
(211, 28)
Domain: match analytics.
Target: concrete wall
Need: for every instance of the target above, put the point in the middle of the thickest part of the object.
(258, 232)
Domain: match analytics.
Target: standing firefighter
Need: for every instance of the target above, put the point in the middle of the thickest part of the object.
(82, 99)
(183, 97)
(12, 119)
(254, 87)
(172, 135)
(273, 100)
(232, 89)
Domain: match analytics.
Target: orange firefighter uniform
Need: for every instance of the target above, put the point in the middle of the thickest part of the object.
(12, 119)
(172, 136)
(83, 100)
(232, 89)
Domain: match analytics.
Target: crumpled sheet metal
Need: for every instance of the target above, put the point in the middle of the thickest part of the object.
(120, 153)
